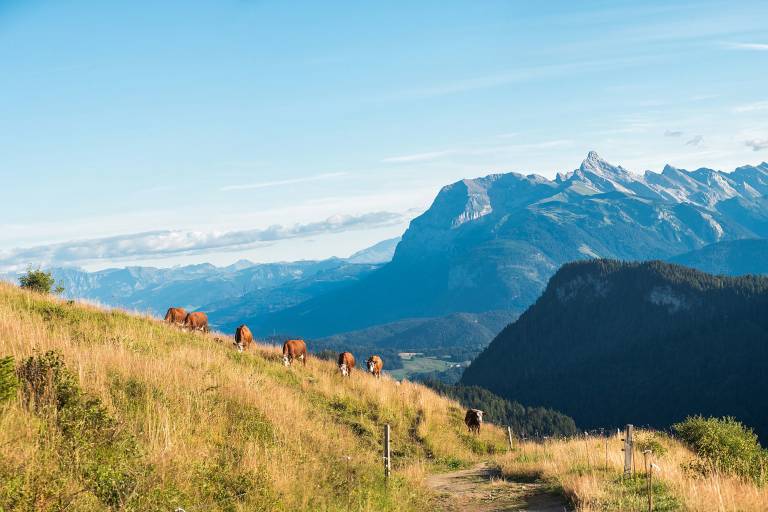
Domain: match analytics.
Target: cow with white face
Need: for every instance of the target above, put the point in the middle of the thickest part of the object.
(243, 338)
(294, 349)
(375, 364)
(474, 419)
(346, 363)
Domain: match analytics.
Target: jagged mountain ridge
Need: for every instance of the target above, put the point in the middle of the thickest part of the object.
(492, 243)
(647, 343)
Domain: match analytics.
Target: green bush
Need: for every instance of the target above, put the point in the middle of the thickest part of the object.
(724, 445)
(8, 381)
(92, 443)
(39, 281)
(645, 440)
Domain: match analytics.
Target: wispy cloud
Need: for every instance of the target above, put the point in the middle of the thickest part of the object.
(279, 183)
(161, 244)
(513, 76)
(673, 133)
(418, 157)
(695, 141)
(759, 47)
(752, 107)
(479, 150)
(757, 144)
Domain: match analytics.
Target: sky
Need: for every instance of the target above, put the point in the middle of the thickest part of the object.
(178, 132)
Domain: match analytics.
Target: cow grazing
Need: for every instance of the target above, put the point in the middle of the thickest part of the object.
(196, 321)
(294, 349)
(243, 338)
(375, 364)
(474, 419)
(175, 316)
(346, 363)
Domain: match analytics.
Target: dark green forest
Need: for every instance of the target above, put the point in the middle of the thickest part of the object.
(612, 342)
(525, 421)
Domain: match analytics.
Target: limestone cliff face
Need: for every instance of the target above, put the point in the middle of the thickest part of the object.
(492, 243)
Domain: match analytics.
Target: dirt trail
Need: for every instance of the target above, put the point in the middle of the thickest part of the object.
(482, 489)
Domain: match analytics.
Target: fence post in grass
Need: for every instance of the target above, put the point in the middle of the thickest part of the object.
(628, 449)
(387, 452)
(650, 480)
(509, 437)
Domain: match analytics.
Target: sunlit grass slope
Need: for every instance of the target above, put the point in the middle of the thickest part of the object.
(171, 419)
(594, 482)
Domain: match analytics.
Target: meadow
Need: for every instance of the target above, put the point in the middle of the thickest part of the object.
(165, 418)
(117, 411)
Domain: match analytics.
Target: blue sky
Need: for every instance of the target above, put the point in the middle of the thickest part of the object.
(296, 130)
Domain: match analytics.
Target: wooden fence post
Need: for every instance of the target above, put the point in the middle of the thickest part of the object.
(650, 486)
(509, 437)
(628, 449)
(387, 452)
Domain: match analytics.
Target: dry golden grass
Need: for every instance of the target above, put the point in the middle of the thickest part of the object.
(219, 430)
(578, 466)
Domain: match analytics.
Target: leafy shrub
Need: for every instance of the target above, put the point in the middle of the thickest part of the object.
(39, 281)
(8, 381)
(724, 444)
(645, 440)
(93, 444)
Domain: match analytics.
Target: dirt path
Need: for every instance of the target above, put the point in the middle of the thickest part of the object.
(482, 489)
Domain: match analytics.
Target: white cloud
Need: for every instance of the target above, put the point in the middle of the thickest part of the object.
(673, 133)
(757, 144)
(418, 157)
(695, 141)
(278, 183)
(752, 107)
(161, 244)
(759, 47)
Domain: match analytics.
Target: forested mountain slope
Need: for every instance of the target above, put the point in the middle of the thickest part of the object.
(610, 343)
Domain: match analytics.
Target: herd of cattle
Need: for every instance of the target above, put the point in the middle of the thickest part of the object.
(297, 350)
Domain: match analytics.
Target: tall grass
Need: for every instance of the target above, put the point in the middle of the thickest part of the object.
(207, 428)
(594, 482)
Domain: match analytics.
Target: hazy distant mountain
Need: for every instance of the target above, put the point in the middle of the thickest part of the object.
(492, 243)
(610, 343)
(381, 252)
(735, 257)
(155, 289)
(243, 288)
(227, 312)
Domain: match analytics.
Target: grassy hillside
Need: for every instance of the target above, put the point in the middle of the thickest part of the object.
(143, 416)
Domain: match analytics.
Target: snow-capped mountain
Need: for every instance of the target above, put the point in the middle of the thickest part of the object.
(492, 243)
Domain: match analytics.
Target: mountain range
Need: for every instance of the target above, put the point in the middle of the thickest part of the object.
(480, 255)
(492, 243)
(649, 343)
(203, 286)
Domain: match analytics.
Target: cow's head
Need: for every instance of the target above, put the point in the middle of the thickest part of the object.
(479, 415)
(344, 369)
(238, 346)
(371, 365)
(286, 360)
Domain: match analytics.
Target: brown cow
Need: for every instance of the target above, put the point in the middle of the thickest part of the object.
(175, 316)
(294, 349)
(375, 364)
(196, 321)
(243, 338)
(346, 363)
(474, 419)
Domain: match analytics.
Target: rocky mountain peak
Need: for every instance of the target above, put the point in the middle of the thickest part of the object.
(596, 165)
